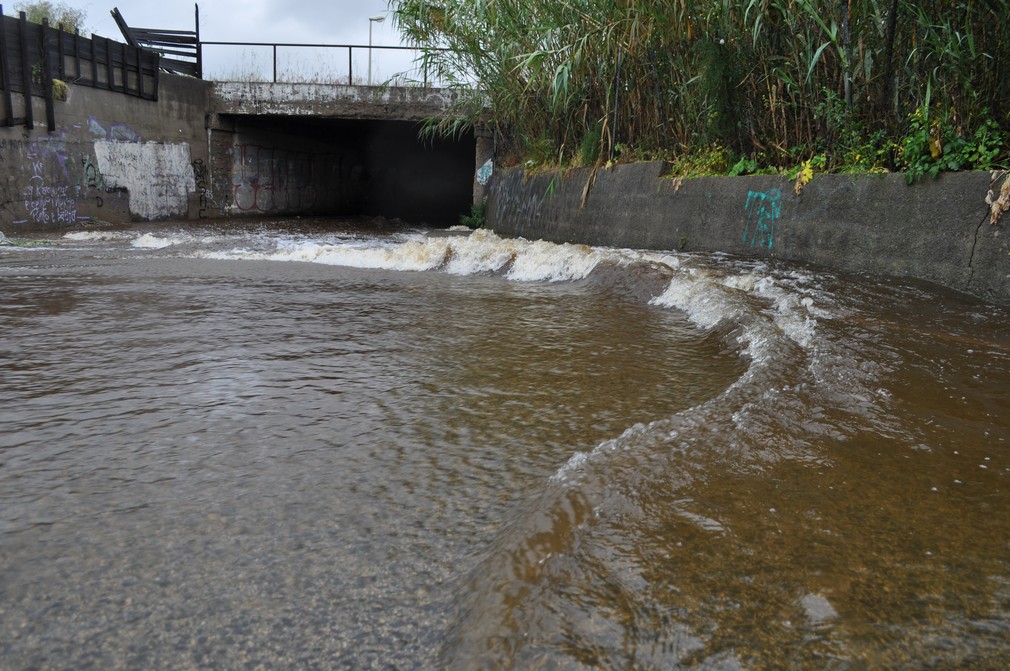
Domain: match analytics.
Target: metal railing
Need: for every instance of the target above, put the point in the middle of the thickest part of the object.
(408, 76)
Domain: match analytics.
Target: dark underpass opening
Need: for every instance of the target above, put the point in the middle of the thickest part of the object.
(282, 165)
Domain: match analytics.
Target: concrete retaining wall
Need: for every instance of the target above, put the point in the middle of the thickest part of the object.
(112, 158)
(934, 230)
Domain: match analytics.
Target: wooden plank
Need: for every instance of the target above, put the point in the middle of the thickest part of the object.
(199, 47)
(94, 63)
(126, 68)
(26, 70)
(184, 44)
(140, 32)
(157, 75)
(61, 71)
(109, 68)
(123, 28)
(126, 50)
(12, 30)
(172, 52)
(5, 72)
(166, 38)
(139, 55)
(47, 75)
(154, 66)
(179, 67)
(77, 56)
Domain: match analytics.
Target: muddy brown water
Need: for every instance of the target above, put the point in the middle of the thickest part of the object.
(334, 445)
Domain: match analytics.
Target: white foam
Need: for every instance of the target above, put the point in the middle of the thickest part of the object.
(709, 301)
(151, 241)
(407, 256)
(542, 261)
(701, 300)
(792, 313)
(702, 522)
(668, 260)
(480, 252)
(818, 609)
(566, 473)
(98, 236)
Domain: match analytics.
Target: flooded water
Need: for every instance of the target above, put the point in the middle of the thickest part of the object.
(326, 445)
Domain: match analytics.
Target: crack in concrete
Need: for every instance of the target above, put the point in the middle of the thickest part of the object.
(971, 256)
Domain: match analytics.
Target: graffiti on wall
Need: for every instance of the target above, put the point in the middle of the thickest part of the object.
(763, 210)
(117, 132)
(158, 176)
(49, 205)
(48, 198)
(484, 172)
(92, 174)
(201, 175)
(93, 179)
(266, 180)
(55, 177)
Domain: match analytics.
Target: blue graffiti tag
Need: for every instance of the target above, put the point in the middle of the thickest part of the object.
(763, 210)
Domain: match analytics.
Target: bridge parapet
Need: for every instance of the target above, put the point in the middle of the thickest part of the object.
(335, 101)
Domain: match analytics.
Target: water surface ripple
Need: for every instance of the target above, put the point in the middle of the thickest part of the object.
(328, 444)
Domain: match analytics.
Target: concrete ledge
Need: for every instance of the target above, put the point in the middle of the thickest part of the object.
(330, 100)
(934, 230)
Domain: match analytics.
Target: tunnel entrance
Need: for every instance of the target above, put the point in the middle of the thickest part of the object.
(284, 165)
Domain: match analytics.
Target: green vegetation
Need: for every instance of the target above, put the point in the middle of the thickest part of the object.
(60, 90)
(58, 14)
(721, 87)
(476, 218)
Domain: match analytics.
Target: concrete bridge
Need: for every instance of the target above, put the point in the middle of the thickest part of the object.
(336, 149)
(133, 133)
(205, 149)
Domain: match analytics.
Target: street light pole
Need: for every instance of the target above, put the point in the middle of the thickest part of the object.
(372, 19)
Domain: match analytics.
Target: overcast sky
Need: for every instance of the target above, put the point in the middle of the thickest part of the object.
(295, 21)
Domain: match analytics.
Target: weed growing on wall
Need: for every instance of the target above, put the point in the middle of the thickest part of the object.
(476, 218)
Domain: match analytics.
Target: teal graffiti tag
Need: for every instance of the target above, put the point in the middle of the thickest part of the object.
(763, 210)
(484, 172)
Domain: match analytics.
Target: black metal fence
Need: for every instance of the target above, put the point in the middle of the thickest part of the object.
(276, 70)
(36, 58)
(33, 55)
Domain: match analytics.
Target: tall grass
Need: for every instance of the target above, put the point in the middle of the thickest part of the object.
(777, 81)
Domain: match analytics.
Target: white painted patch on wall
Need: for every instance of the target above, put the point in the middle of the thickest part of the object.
(158, 176)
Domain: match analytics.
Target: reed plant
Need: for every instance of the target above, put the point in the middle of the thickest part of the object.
(770, 82)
